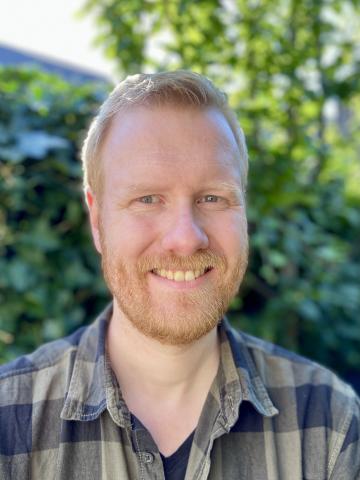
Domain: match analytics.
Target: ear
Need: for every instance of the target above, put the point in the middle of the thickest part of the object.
(94, 215)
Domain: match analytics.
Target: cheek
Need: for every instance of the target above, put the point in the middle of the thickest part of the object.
(230, 234)
(130, 235)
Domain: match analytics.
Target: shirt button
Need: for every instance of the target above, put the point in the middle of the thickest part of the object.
(148, 457)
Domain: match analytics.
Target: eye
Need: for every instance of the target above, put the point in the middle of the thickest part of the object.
(212, 198)
(209, 199)
(213, 202)
(149, 199)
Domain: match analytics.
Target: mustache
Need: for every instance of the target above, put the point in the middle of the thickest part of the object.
(198, 261)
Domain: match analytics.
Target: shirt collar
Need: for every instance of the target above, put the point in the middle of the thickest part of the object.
(94, 388)
(238, 377)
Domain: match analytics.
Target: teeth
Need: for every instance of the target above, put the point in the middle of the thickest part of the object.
(179, 275)
(189, 276)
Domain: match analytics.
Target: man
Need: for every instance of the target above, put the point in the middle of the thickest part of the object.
(160, 386)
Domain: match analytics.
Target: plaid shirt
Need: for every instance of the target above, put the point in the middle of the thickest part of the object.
(269, 415)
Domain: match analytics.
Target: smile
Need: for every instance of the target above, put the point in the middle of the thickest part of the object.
(180, 275)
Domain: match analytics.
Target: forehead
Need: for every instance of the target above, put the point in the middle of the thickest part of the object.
(168, 141)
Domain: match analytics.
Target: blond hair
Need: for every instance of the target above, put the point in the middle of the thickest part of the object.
(178, 88)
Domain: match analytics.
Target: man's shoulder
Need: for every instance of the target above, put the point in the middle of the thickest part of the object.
(313, 404)
(47, 368)
(286, 373)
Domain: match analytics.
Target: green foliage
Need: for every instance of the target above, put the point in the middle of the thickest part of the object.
(49, 280)
(302, 289)
(292, 72)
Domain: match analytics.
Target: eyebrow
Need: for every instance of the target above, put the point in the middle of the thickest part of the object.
(231, 187)
(142, 187)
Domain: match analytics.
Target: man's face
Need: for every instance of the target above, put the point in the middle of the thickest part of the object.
(171, 226)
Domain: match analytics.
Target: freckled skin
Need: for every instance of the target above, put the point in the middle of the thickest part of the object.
(171, 199)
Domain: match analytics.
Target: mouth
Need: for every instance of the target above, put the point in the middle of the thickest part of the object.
(181, 275)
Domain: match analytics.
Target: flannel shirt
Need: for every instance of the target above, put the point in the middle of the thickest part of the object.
(269, 415)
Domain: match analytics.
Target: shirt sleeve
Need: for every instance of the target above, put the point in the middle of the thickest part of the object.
(347, 463)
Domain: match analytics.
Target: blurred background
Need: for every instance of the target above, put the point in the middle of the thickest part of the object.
(291, 69)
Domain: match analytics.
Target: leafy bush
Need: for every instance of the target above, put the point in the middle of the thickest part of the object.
(302, 288)
(49, 280)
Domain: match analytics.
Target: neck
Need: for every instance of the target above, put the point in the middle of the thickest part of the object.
(158, 371)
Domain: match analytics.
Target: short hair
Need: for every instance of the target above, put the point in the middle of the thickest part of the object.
(179, 88)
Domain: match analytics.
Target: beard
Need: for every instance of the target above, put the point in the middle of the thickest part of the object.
(173, 317)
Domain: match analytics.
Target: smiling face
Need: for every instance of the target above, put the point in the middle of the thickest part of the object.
(171, 225)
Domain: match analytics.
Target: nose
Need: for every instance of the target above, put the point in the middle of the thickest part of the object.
(184, 234)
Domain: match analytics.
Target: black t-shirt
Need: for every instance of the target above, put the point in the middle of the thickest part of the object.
(175, 465)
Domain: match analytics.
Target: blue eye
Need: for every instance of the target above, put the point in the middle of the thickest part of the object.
(209, 199)
(149, 199)
(214, 202)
